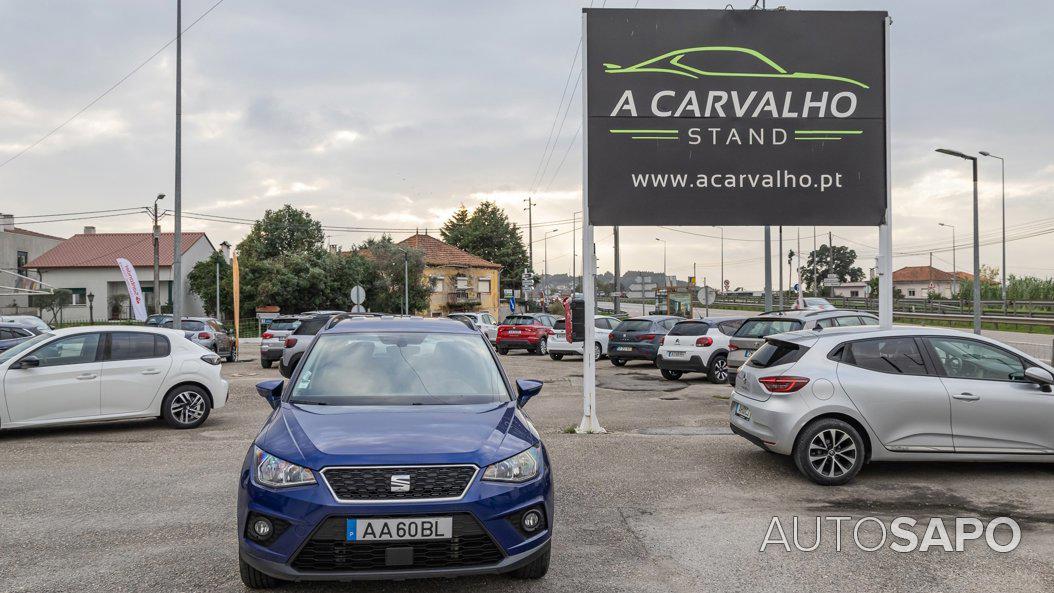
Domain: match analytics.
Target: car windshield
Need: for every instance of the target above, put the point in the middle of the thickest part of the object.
(518, 320)
(412, 368)
(759, 328)
(634, 325)
(21, 347)
(284, 324)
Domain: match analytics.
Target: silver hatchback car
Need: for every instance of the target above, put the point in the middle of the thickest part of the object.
(835, 399)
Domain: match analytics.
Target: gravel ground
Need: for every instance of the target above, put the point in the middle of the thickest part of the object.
(669, 500)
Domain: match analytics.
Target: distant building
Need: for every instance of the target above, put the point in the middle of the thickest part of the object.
(460, 281)
(17, 247)
(850, 289)
(919, 281)
(86, 264)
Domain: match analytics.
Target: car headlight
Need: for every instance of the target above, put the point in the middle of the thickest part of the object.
(521, 467)
(278, 473)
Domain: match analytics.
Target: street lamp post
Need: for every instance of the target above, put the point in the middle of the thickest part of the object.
(574, 255)
(955, 272)
(976, 240)
(157, 258)
(1002, 174)
(91, 308)
(664, 281)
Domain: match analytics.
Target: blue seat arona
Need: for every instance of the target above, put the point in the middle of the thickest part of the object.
(398, 449)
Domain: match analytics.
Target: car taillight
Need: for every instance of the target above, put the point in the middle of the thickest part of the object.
(704, 341)
(732, 347)
(662, 340)
(783, 383)
(290, 342)
(267, 336)
(645, 337)
(203, 335)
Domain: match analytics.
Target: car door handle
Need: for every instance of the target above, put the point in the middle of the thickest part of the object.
(86, 377)
(150, 372)
(967, 397)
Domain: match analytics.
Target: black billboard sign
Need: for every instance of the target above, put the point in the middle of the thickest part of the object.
(736, 117)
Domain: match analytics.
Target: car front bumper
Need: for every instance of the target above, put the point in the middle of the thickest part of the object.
(491, 505)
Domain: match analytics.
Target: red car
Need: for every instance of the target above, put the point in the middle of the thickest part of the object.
(525, 331)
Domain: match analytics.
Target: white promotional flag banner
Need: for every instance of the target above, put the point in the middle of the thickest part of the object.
(135, 292)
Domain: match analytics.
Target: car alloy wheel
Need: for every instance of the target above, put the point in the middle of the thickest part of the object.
(188, 407)
(543, 347)
(832, 453)
(719, 370)
(597, 351)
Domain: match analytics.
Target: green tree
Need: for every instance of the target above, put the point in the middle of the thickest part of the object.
(384, 293)
(843, 268)
(202, 280)
(489, 234)
(280, 232)
(52, 303)
(304, 281)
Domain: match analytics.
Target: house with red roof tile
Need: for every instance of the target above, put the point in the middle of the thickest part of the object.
(86, 265)
(460, 281)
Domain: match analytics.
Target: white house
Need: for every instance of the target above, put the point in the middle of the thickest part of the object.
(916, 282)
(86, 265)
(17, 247)
(850, 289)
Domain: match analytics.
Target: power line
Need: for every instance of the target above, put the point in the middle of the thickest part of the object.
(107, 91)
(20, 218)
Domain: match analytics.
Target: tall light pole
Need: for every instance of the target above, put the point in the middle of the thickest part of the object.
(156, 231)
(976, 240)
(530, 233)
(721, 288)
(955, 272)
(664, 281)
(1002, 173)
(177, 240)
(574, 256)
(545, 262)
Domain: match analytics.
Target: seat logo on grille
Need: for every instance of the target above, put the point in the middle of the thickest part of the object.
(400, 483)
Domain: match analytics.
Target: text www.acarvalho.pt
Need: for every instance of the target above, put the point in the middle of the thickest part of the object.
(781, 179)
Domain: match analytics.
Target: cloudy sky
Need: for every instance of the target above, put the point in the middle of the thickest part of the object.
(391, 114)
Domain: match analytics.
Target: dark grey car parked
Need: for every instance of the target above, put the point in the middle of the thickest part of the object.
(12, 334)
(638, 338)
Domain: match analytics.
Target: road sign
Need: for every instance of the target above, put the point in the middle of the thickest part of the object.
(358, 309)
(735, 117)
(358, 295)
(706, 295)
(831, 281)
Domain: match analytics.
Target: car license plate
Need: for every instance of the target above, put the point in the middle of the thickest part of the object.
(676, 354)
(514, 332)
(747, 353)
(360, 530)
(624, 348)
(741, 411)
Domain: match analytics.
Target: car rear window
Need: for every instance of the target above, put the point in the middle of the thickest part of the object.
(560, 324)
(189, 325)
(311, 326)
(634, 325)
(775, 352)
(690, 328)
(729, 328)
(284, 324)
(760, 328)
(519, 320)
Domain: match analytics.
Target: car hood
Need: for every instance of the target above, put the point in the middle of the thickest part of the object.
(319, 436)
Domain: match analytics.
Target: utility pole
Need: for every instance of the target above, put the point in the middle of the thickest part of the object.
(1002, 170)
(665, 282)
(157, 258)
(722, 287)
(780, 264)
(955, 271)
(976, 240)
(815, 286)
(574, 255)
(830, 252)
(768, 268)
(177, 241)
(618, 276)
(218, 316)
(406, 283)
(530, 233)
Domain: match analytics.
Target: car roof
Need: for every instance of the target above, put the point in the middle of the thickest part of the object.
(400, 324)
(81, 329)
(16, 325)
(809, 313)
(655, 317)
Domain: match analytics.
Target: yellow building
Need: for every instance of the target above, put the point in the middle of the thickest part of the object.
(460, 281)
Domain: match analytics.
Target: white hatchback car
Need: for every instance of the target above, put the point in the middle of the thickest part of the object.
(698, 346)
(95, 373)
(559, 347)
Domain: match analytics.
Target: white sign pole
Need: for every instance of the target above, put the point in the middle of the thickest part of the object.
(885, 231)
(589, 421)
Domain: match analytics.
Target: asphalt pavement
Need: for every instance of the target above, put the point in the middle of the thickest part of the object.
(668, 500)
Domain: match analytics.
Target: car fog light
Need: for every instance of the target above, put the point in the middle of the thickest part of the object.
(531, 521)
(262, 528)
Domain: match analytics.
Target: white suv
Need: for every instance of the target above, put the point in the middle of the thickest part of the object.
(559, 347)
(698, 346)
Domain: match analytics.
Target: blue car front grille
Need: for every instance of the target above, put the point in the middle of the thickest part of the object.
(328, 551)
(426, 482)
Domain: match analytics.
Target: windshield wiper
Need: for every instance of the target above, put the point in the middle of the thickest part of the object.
(309, 402)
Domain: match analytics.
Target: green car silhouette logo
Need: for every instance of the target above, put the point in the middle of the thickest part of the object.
(690, 62)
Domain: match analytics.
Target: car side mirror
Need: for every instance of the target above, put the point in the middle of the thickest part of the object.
(527, 388)
(29, 362)
(1040, 376)
(271, 391)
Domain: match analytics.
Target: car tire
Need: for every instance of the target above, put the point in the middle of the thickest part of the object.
(619, 362)
(232, 354)
(185, 406)
(254, 579)
(503, 351)
(671, 374)
(829, 452)
(556, 356)
(717, 370)
(536, 569)
(598, 351)
(266, 363)
(542, 348)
